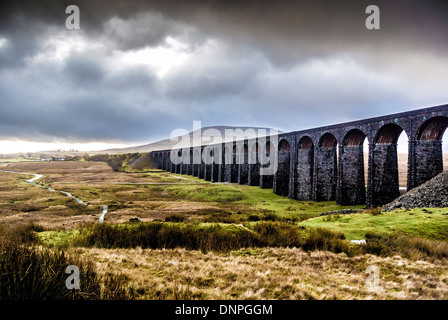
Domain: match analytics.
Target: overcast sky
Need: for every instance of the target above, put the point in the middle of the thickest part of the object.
(137, 70)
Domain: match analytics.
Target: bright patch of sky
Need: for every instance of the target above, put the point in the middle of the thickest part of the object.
(161, 59)
(21, 146)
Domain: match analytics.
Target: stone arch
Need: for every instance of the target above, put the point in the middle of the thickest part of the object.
(433, 129)
(428, 154)
(264, 157)
(351, 169)
(185, 156)
(173, 156)
(388, 134)
(197, 156)
(209, 152)
(196, 161)
(201, 165)
(253, 175)
(168, 161)
(216, 166)
(178, 167)
(164, 162)
(253, 152)
(304, 170)
(228, 154)
(157, 160)
(243, 167)
(232, 167)
(305, 143)
(284, 145)
(384, 165)
(354, 137)
(325, 173)
(189, 169)
(281, 178)
(327, 140)
(268, 147)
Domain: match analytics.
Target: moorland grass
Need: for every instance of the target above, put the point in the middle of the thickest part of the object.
(29, 271)
(414, 248)
(211, 236)
(218, 237)
(431, 223)
(252, 200)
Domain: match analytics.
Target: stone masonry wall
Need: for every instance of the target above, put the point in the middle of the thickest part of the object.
(353, 186)
(385, 174)
(304, 179)
(325, 173)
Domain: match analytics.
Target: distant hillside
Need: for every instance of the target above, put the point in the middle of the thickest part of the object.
(123, 162)
(168, 144)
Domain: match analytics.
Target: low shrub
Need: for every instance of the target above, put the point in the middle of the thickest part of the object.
(323, 239)
(279, 234)
(270, 217)
(253, 217)
(410, 247)
(154, 235)
(175, 218)
(212, 237)
(32, 272)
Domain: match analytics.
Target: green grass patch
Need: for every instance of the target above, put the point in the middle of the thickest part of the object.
(223, 194)
(431, 223)
(251, 200)
(265, 199)
(59, 239)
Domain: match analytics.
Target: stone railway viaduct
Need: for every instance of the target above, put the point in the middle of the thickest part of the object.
(327, 163)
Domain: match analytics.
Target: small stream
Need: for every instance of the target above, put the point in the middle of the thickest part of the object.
(68, 194)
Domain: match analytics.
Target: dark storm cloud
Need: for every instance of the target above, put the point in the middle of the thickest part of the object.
(218, 76)
(83, 68)
(147, 29)
(246, 63)
(285, 30)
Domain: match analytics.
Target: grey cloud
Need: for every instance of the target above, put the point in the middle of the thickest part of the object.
(21, 43)
(220, 73)
(147, 29)
(133, 78)
(284, 30)
(84, 69)
(285, 64)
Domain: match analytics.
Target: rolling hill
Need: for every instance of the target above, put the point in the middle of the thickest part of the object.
(207, 132)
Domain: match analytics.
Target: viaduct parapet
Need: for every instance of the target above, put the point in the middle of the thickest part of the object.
(327, 163)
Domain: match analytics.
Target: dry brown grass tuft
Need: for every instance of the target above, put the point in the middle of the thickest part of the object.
(270, 273)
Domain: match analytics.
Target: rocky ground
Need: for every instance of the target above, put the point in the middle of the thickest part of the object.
(431, 194)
